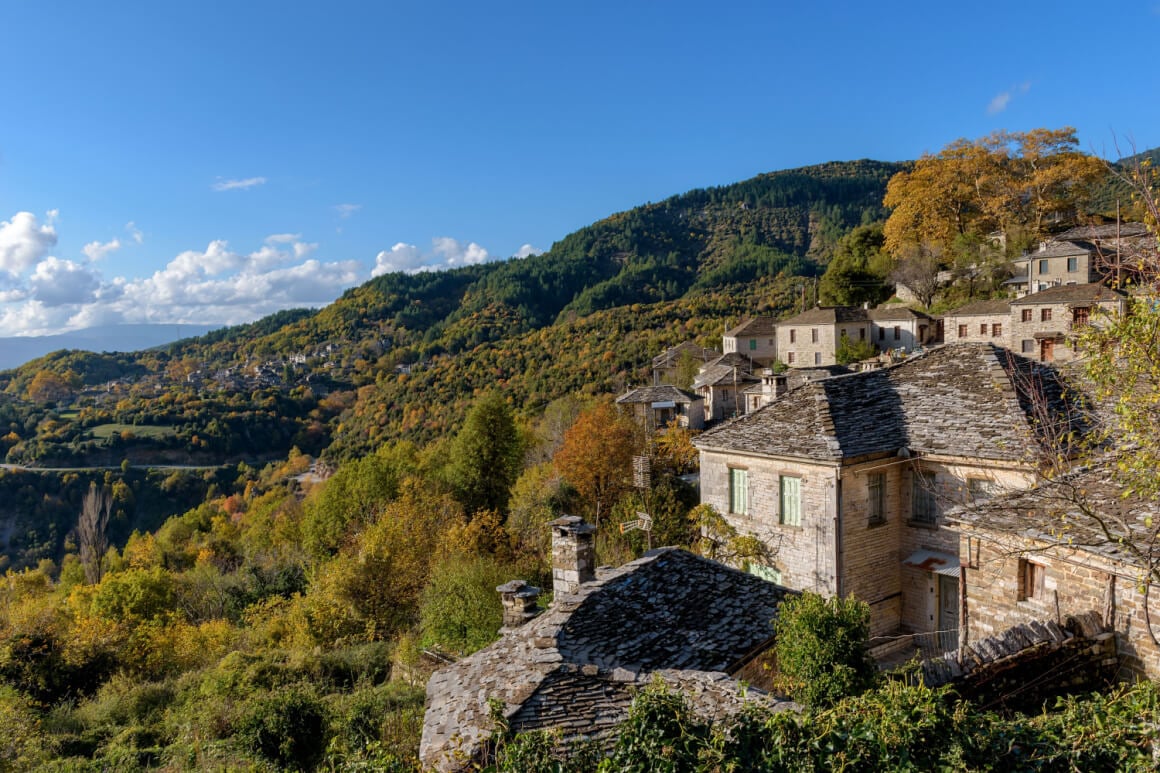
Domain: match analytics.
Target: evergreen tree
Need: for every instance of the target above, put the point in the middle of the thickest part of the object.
(486, 456)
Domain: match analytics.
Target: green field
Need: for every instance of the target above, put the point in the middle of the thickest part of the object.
(105, 431)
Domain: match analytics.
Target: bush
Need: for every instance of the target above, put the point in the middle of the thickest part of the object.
(286, 728)
(821, 648)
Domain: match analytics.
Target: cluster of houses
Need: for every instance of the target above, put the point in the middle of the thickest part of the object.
(928, 486)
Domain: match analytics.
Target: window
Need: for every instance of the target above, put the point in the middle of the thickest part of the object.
(996, 330)
(769, 573)
(1045, 315)
(752, 344)
(1043, 266)
(738, 491)
(1028, 346)
(789, 358)
(983, 328)
(881, 334)
(861, 334)
(1031, 577)
(1079, 316)
(792, 336)
(1073, 264)
(791, 501)
(813, 335)
(817, 358)
(876, 497)
(962, 331)
(923, 508)
(897, 332)
(1026, 315)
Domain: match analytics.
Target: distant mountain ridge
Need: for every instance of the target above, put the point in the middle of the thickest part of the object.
(17, 350)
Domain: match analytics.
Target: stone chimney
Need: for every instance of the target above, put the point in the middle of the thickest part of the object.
(519, 603)
(573, 554)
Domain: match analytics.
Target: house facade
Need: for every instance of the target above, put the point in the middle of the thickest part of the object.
(846, 480)
(722, 384)
(1043, 553)
(811, 338)
(666, 365)
(658, 407)
(978, 322)
(900, 327)
(1044, 325)
(756, 338)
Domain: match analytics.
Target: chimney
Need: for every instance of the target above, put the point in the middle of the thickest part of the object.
(573, 554)
(519, 603)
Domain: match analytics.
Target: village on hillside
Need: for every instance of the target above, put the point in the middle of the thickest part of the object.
(913, 480)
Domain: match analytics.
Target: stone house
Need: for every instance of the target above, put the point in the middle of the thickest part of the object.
(1081, 255)
(846, 479)
(810, 339)
(1040, 553)
(901, 327)
(670, 615)
(1044, 324)
(755, 338)
(656, 407)
(979, 321)
(722, 384)
(666, 365)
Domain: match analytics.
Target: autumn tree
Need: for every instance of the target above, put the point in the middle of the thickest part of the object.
(918, 271)
(596, 457)
(487, 455)
(1009, 182)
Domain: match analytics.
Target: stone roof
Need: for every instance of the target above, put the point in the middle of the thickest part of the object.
(1057, 512)
(726, 369)
(671, 356)
(575, 666)
(897, 313)
(1099, 232)
(827, 315)
(973, 400)
(656, 394)
(1058, 249)
(981, 309)
(1079, 293)
(757, 326)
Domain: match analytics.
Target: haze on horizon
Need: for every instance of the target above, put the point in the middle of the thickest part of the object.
(213, 163)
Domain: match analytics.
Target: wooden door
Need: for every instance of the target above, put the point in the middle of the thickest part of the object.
(1046, 350)
(948, 612)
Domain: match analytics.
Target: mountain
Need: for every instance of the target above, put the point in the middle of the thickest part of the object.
(403, 354)
(16, 350)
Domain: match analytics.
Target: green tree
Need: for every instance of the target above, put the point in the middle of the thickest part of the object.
(821, 648)
(857, 272)
(460, 610)
(849, 351)
(486, 456)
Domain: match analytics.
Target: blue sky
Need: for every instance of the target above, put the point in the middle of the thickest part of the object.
(211, 162)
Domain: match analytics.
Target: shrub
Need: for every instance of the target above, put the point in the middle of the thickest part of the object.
(286, 728)
(821, 648)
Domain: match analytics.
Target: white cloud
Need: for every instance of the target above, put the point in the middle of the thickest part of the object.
(132, 229)
(445, 252)
(57, 282)
(23, 241)
(233, 185)
(346, 210)
(94, 251)
(282, 238)
(527, 251)
(1003, 99)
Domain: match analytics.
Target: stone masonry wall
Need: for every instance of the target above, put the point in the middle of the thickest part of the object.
(974, 323)
(1074, 582)
(804, 347)
(804, 553)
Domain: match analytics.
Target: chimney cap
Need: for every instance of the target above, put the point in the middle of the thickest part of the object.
(572, 523)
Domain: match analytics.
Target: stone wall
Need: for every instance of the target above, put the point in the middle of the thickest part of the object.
(1074, 581)
(804, 347)
(805, 553)
(976, 324)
